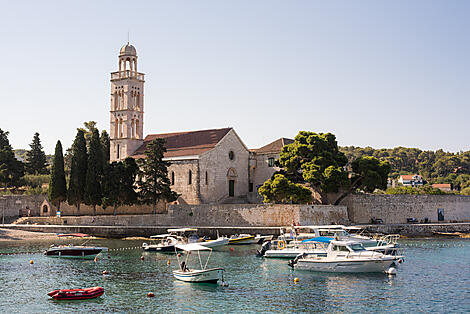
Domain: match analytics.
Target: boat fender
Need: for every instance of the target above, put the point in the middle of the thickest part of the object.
(400, 261)
(281, 245)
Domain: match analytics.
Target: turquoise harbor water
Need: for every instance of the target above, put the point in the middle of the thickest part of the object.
(434, 278)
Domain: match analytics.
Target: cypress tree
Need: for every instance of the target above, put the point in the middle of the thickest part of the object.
(57, 185)
(36, 162)
(94, 172)
(154, 184)
(76, 191)
(104, 139)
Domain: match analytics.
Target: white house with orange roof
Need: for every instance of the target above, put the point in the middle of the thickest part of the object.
(411, 180)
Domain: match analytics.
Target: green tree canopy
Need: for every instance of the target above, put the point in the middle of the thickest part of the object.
(78, 170)
(314, 160)
(36, 162)
(11, 169)
(57, 184)
(153, 182)
(281, 190)
(118, 184)
(94, 172)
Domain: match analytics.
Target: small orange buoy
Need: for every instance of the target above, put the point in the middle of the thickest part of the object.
(231, 249)
(31, 262)
(105, 272)
(179, 254)
(296, 280)
(142, 258)
(168, 262)
(150, 294)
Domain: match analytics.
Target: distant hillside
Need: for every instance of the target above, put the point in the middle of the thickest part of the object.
(20, 154)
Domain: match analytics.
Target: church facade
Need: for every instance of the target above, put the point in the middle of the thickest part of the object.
(207, 166)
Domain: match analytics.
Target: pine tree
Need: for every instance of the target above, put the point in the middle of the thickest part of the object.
(94, 172)
(153, 183)
(104, 139)
(76, 191)
(11, 169)
(36, 162)
(57, 184)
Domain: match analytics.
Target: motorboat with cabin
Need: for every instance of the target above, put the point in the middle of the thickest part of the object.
(204, 274)
(344, 257)
(292, 236)
(165, 243)
(75, 251)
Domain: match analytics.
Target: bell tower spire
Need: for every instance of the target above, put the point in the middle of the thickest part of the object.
(127, 106)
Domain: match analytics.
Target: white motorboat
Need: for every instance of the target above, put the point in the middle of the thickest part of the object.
(280, 249)
(220, 241)
(163, 243)
(184, 273)
(75, 251)
(346, 257)
(385, 244)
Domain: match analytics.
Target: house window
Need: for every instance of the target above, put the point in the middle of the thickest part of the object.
(45, 209)
(190, 177)
(270, 162)
(250, 186)
(172, 178)
(231, 155)
(117, 152)
(207, 179)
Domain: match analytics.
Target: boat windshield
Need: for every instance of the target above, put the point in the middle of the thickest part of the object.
(357, 247)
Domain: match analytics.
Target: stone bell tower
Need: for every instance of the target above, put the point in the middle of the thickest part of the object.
(127, 106)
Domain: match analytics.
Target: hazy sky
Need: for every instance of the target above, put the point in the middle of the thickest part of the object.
(375, 73)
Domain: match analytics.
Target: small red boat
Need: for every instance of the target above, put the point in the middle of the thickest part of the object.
(76, 294)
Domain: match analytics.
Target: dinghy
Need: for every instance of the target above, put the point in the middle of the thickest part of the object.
(76, 294)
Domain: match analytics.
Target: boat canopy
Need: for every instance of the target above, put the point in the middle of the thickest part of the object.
(192, 247)
(78, 235)
(160, 236)
(319, 239)
(182, 230)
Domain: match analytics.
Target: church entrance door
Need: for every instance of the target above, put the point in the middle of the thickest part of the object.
(231, 188)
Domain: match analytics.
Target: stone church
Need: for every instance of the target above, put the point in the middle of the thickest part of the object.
(207, 166)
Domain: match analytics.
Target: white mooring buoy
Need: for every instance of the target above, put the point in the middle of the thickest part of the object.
(391, 271)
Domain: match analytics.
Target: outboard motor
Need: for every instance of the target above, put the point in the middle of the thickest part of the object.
(292, 262)
(266, 246)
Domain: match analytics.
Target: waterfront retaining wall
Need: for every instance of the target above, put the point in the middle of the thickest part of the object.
(395, 209)
(243, 215)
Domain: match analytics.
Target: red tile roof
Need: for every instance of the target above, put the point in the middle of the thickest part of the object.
(442, 185)
(274, 147)
(408, 176)
(185, 143)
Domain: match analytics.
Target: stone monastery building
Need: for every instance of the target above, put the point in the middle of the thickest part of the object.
(207, 166)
